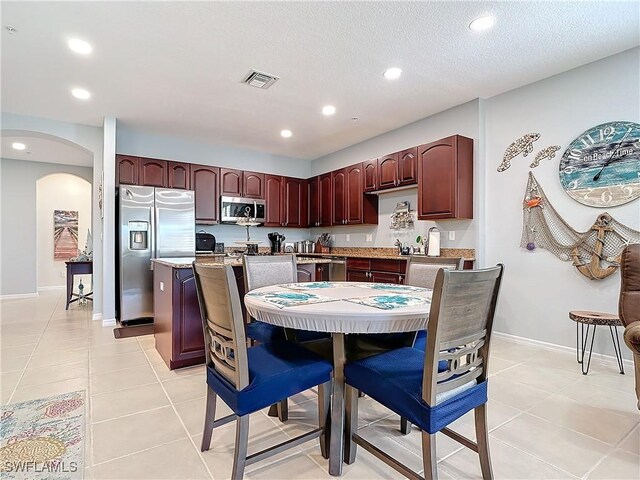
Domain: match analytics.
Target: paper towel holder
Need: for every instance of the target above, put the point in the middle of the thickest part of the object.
(432, 247)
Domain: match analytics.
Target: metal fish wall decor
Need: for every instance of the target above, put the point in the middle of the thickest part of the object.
(522, 145)
(549, 152)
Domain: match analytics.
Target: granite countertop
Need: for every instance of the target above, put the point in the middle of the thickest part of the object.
(392, 253)
(186, 262)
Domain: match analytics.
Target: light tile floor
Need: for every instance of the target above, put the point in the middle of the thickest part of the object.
(145, 422)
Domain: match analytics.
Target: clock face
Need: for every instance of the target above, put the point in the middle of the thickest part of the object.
(601, 168)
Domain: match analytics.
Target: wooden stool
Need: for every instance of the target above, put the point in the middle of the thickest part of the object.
(594, 319)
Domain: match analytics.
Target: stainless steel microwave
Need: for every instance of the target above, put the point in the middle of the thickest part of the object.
(233, 209)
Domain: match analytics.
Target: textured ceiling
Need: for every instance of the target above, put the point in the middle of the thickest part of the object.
(175, 67)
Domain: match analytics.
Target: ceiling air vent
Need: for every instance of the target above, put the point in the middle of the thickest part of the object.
(260, 79)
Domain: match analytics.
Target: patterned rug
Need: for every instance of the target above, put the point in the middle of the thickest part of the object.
(43, 438)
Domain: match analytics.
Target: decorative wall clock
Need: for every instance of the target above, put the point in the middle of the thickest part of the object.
(601, 168)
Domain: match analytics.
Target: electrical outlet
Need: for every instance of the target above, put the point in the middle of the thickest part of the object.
(333, 238)
(369, 237)
(452, 235)
(348, 237)
(62, 274)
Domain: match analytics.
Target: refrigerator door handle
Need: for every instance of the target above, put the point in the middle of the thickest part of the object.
(156, 224)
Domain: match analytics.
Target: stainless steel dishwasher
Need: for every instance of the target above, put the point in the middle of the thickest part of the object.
(338, 269)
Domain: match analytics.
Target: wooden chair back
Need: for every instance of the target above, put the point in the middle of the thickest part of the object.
(422, 271)
(224, 336)
(459, 330)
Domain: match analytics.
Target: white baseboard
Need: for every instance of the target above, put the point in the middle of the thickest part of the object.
(97, 316)
(54, 287)
(562, 348)
(108, 322)
(15, 296)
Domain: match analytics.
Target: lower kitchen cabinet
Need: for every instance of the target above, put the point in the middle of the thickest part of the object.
(176, 317)
(377, 270)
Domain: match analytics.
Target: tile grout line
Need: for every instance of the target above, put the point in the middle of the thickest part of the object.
(610, 452)
(175, 411)
(137, 452)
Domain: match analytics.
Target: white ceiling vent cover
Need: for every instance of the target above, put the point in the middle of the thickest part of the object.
(260, 79)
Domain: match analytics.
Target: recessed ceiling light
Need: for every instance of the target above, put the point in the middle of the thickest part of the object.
(18, 146)
(328, 110)
(482, 23)
(286, 133)
(392, 73)
(79, 46)
(81, 93)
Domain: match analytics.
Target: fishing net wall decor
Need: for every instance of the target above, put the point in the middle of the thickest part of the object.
(595, 253)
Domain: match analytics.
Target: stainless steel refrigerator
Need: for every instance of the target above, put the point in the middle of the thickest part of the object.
(154, 223)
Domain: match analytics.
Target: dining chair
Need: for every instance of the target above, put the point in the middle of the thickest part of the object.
(413, 383)
(421, 272)
(249, 379)
(263, 271)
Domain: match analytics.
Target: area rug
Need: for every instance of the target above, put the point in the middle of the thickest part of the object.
(43, 438)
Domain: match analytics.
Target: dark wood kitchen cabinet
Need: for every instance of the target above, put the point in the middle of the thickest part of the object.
(127, 170)
(152, 172)
(445, 179)
(294, 203)
(253, 185)
(351, 206)
(388, 171)
(273, 199)
(230, 182)
(176, 317)
(378, 270)
(237, 183)
(205, 180)
(408, 166)
(179, 175)
(370, 172)
(320, 201)
(339, 188)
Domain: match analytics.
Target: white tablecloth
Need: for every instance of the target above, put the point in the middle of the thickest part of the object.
(342, 316)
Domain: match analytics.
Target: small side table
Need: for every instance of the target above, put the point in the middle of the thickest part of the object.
(595, 319)
(77, 268)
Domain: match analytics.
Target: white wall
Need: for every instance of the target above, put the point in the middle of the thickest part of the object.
(539, 289)
(134, 142)
(60, 191)
(85, 137)
(464, 120)
(18, 208)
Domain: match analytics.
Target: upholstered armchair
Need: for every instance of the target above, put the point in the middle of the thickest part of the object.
(629, 307)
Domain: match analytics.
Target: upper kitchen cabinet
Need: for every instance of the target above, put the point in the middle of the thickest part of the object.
(236, 183)
(351, 206)
(179, 175)
(286, 202)
(253, 185)
(152, 172)
(408, 166)
(127, 170)
(294, 203)
(320, 201)
(370, 172)
(230, 182)
(273, 199)
(205, 180)
(445, 179)
(395, 170)
(388, 171)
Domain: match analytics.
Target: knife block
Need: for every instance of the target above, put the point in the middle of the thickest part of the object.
(321, 249)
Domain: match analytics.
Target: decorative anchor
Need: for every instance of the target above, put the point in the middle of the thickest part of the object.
(593, 270)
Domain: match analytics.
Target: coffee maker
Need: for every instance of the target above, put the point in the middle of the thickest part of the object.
(276, 242)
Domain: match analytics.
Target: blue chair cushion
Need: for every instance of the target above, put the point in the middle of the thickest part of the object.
(421, 341)
(394, 379)
(264, 332)
(277, 370)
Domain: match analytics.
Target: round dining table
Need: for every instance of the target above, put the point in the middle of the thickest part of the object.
(341, 308)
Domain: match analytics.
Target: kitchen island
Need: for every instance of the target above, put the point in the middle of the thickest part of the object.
(177, 323)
